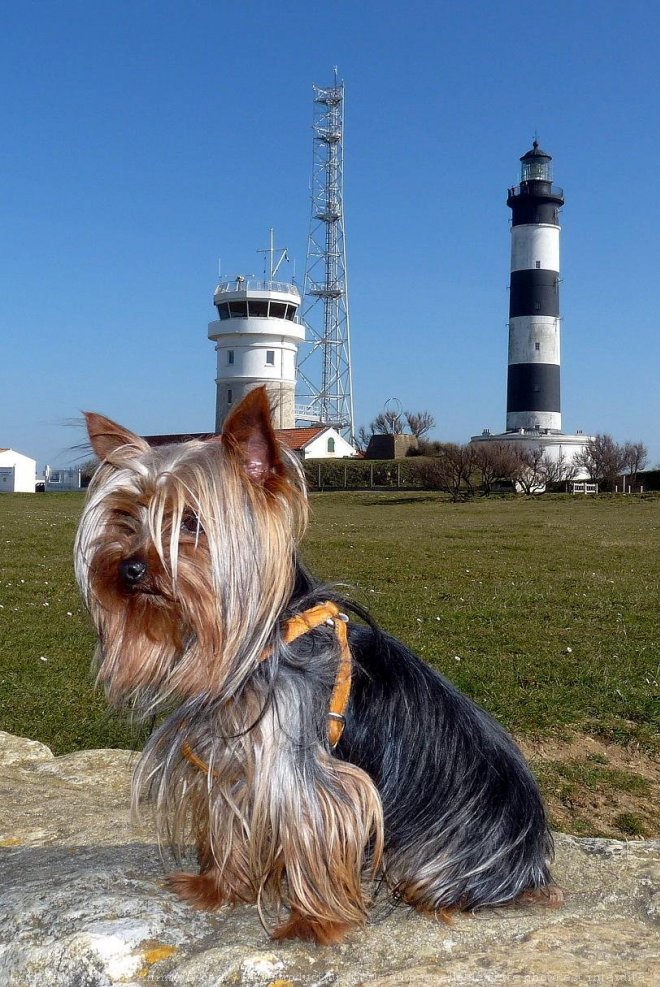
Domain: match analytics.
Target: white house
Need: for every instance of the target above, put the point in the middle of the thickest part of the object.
(18, 473)
(59, 480)
(316, 442)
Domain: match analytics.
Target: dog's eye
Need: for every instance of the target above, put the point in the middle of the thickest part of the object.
(190, 524)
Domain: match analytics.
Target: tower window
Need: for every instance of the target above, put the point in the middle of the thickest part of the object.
(538, 265)
(258, 307)
(238, 310)
(230, 356)
(230, 396)
(277, 310)
(270, 358)
(223, 311)
(537, 306)
(537, 346)
(291, 312)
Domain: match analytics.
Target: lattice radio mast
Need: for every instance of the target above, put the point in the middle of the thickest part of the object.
(324, 368)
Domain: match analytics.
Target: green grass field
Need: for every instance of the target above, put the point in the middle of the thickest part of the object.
(544, 610)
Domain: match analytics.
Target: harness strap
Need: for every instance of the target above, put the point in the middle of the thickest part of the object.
(302, 623)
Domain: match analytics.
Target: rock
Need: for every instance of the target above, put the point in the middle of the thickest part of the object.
(83, 904)
(20, 750)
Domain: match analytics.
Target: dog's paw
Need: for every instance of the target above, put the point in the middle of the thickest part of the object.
(550, 895)
(200, 890)
(325, 933)
(207, 890)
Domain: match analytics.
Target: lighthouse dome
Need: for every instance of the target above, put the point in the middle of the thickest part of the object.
(536, 165)
(536, 152)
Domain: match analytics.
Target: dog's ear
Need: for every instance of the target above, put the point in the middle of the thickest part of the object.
(248, 432)
(106, 436)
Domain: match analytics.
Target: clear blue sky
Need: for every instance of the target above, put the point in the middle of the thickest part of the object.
(143, 140)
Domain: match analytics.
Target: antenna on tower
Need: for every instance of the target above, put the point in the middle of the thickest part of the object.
(271, 267)
(324, 370)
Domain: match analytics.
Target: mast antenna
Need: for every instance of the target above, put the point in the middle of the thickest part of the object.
(324, 368)
(271, 267)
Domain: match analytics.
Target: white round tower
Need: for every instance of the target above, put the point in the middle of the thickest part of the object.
(256, 339)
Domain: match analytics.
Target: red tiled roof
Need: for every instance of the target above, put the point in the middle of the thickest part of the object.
(175, 439)
(293, 438)
(298, 438)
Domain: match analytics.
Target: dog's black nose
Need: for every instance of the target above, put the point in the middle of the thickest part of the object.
(132, 570)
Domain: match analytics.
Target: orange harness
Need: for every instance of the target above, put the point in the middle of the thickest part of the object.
(327, 613)
(302, 623)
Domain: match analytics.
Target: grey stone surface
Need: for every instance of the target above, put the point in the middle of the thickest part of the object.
(83, 904)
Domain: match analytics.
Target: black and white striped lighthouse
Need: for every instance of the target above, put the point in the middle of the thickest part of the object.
(533, 394)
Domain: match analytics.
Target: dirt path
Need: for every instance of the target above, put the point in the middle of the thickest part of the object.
(595, 788)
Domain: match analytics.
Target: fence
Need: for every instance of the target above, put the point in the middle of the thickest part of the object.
(363, 475)
(585, 488)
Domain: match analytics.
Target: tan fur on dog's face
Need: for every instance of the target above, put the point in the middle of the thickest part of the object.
(215, 525)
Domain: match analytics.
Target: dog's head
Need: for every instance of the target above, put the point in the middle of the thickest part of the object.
(185, 554)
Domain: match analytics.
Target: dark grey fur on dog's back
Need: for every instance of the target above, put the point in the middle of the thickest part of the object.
(459, 802)
(465, 825)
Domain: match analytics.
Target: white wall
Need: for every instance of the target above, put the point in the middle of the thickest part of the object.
(525, 331)
(534, 242)
(318, 447)
(555, 445)
(250, 358)
(23, 476)
(527, 419)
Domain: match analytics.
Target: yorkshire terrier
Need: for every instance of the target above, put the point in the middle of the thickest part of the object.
(311, 759)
